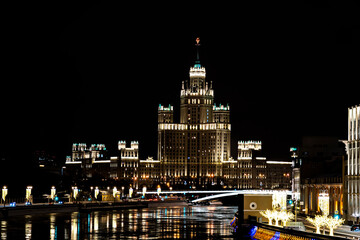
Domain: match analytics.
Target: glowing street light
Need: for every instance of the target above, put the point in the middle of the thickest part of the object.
(75, 192)
(96, 192)
(122, 191)
(158, 190)
(144, 191)
(53, 193)
(131, 191)
(28, 193)
(115, 191)
(4, 193)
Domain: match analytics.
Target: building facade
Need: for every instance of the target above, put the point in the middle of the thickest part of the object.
(323, 195)
(251, 170)
(94, 163)
(352, 171)
(194, 150)
(193, 153)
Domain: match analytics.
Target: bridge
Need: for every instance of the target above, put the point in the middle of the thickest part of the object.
(219, 193)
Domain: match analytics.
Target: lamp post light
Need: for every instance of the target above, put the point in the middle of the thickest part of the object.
(130, 192)
(144, 191)
(135, 183)
(115, 191)
(4, 193)
(28, 194)
(91, 192)
(158, 190)
(96, 192)
(53, 193)
(75, 192)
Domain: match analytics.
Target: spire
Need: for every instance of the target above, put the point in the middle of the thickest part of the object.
(197, 62)
(197, 71)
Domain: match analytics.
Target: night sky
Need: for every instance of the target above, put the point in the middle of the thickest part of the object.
(97, 73)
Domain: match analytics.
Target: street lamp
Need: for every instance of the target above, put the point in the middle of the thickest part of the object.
(28, 194)
(115, 191)
(75, 192)
(144, 191)
(96, 192)
(53, 193)
(122, 192)
(130, 192)
(4, 192)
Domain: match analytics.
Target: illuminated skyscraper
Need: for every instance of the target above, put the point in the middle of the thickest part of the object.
(353, 164)
(193, 150)
(192, 153)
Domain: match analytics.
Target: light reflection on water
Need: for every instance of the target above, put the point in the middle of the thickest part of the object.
(203, 222)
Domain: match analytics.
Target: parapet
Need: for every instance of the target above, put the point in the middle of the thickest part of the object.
(121, 145)
(97, 147)
(247, 145)
(133, 145)
(197, 72)
(221, 107)
(163, 108)
(79, 147)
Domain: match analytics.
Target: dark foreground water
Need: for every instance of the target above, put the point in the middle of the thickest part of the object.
(195, 222)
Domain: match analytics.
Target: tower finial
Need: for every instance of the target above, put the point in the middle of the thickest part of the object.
(197, 41)
(197, 62)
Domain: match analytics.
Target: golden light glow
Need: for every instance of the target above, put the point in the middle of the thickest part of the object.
(131, 191)
(144, 191)
(28, 193)
(4, 192)
(158, 190)
(276, 215)
(115, 191)
(286, 216)
(52, 193)
(75, 192)
(318, 222)
(333, 223)
(268, 214)
(96, 192)
(324, 203)
(329, 222)
(279, 200)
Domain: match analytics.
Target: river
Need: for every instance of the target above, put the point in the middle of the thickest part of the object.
(189, 222)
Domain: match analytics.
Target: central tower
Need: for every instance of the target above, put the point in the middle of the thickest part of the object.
(196, 97)
(192, 152)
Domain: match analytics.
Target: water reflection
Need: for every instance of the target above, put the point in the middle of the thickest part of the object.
(28, 226)
(75, 225)
(152, 223)
(3, 230)
(53, 227)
